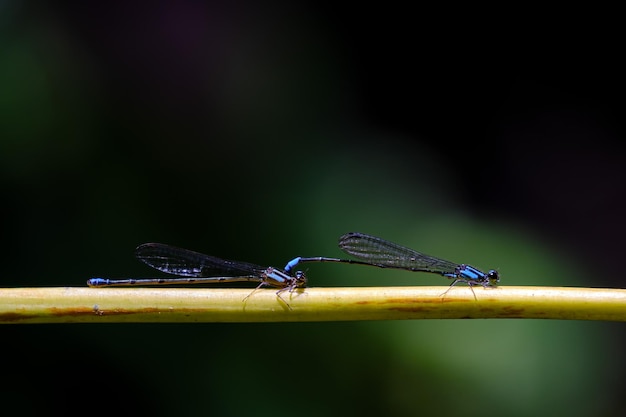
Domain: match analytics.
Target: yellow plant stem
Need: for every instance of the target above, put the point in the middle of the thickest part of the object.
(158, 304)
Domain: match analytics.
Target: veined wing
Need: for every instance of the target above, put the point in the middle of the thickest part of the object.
(383, 253)
(186, 263)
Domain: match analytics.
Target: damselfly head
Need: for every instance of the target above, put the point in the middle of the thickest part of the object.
(493, 277)
(300, 278)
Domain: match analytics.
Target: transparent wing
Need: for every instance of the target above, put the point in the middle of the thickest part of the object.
(380, 252)
(186, 263)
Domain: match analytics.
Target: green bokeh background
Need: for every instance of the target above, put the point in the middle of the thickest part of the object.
(261, 133)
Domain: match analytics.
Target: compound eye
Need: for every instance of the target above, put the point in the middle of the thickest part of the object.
(300, 276)
(493, 276)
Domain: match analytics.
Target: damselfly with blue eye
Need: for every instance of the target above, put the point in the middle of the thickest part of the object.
(375, 251)
(196, 268)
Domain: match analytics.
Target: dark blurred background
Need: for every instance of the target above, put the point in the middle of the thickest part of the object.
(261, 132)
